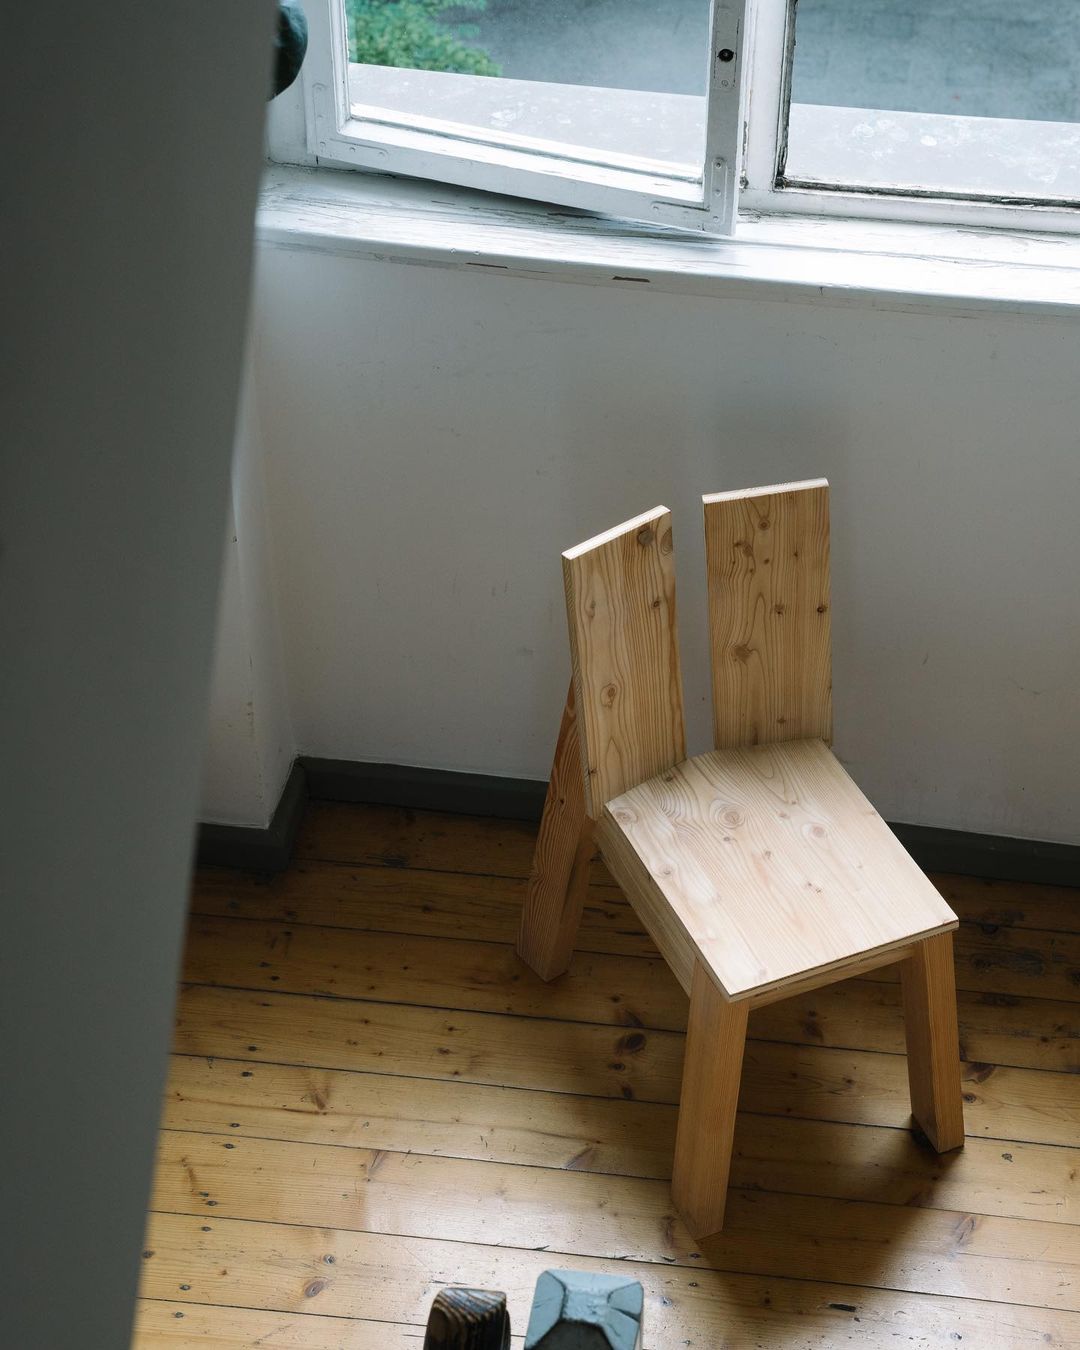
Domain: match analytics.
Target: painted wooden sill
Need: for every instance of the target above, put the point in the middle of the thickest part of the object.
(823, 261)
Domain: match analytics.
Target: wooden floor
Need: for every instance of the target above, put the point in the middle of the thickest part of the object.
(371, 1097)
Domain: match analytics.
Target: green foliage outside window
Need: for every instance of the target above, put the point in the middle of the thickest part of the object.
(409, 33)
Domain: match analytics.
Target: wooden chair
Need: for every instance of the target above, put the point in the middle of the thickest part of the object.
(759, 869)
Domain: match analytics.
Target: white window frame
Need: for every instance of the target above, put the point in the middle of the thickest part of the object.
(743, 171)
(343, 135)
(764, 189)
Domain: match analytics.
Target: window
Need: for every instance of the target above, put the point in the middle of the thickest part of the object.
(671, 110)
(586, 103)
(915, 109)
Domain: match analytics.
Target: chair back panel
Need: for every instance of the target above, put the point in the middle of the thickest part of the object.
(767, 554)
(620, 607)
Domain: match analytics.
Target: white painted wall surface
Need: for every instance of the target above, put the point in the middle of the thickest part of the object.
(435, 438)
(250, 745)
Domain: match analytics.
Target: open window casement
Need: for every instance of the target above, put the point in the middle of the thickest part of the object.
(666, 157)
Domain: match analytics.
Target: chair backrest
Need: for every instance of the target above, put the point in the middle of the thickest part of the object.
(620, 606)
(767, 555)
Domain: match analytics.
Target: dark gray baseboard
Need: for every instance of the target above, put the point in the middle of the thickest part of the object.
(998, 857)
(253, 849)
(467, 794)
(995, 857)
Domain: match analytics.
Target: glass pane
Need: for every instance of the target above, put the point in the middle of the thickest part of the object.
(969, 96)
(610, 77)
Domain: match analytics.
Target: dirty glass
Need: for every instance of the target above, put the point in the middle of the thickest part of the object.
(626, 76)
(978, 58)
(977, 97)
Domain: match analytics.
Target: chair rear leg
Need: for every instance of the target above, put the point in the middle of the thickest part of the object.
(560, 872)
(928, 980)
(715, 1041)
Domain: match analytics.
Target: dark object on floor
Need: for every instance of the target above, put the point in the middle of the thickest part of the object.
(290, 45)
(575, 1310)
(468, 1319)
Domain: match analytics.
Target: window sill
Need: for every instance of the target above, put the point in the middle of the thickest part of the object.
(825, 261)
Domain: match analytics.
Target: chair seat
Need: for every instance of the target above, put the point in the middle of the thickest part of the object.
(771, 867)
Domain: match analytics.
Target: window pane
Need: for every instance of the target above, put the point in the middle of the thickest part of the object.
(609, 77)
(969, 96)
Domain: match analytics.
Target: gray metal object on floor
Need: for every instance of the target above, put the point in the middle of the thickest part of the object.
(575, 1310)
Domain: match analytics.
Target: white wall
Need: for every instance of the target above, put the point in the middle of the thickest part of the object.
(127, 240)
(250, 744)
(434, 438)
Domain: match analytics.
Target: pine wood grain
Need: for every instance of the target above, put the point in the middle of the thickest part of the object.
(933, 1051)
(1004, 965)
(438, 1116)
(767, 557)
(400, 837)
(452, 1044)
(995, 1028)
(1015, 962)
(998, 1025)
(468, 1319)
(709, 1098)
(559, 877)
(285, 1267)
(624, 647)
(421, 902)
(403, 840)
(771, 862)
(581, 1214)
(992, 956)
(245, 1099)
(201, 1326)
(807, 1081)
(822, 1149)
(1011, 904)
(394, 968)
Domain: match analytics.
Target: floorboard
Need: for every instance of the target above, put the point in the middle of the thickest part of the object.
(371, 1097)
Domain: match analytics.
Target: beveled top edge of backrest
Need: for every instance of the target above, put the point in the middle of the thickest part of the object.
(740, 494)
(607, 536)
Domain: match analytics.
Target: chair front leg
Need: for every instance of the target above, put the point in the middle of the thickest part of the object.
(559, 878)
(928, 980)
(715, 1040)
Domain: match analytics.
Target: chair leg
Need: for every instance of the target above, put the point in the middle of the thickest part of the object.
(560, 872)
(710, 1095)
(928, 980)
